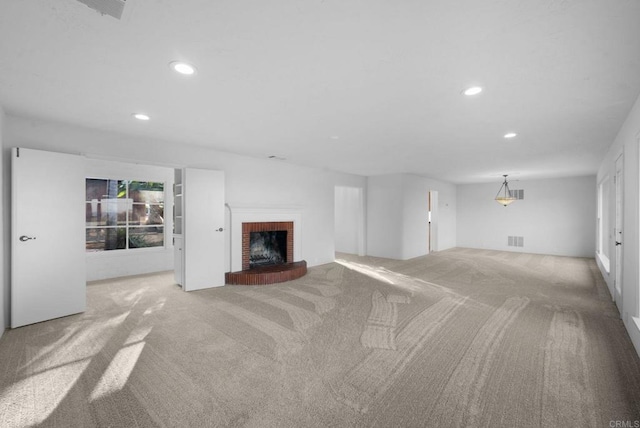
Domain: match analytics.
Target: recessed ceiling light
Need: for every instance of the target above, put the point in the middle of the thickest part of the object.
(474, 90)
(141, 116)
(182, 68)
(335, 137)
(510, 135)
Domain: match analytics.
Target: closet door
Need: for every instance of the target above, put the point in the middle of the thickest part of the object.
(48, 273)
(203, 228)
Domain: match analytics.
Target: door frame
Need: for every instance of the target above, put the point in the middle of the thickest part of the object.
(618, 236)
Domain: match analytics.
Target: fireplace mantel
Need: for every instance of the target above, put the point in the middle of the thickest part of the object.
(243, 214)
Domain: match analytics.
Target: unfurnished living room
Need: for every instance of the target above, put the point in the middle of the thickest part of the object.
(320, 213)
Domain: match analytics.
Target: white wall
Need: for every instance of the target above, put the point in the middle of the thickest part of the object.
(397, 215)
(556, 216)
(349, 219)
(416, 207)
(626, 143)
(384, 216)
(4, 264)
(250, 182)
(111, 264)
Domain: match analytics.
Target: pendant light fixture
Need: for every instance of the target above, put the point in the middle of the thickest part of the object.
(504, 196)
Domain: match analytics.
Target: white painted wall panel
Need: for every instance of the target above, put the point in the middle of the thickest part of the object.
(4, 255)
(348, 218)
(384, 216)
(556, 216)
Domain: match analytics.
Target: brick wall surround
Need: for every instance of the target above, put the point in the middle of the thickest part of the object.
(273, 226)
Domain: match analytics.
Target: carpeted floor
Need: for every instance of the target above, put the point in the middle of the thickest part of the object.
(458, 338)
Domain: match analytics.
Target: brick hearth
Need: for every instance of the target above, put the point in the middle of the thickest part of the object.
(267, 274)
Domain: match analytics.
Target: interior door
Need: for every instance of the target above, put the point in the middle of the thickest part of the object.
(429, 221)
(48, 278)
(203, 228)
(618, 238)
(433, 221)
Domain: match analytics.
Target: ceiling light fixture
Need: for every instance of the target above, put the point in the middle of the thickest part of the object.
(510, 135)
(182, 68)
(474, 90)
(504, 196)
(141, 116)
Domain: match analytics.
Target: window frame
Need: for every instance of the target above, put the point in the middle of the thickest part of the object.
(127, 225)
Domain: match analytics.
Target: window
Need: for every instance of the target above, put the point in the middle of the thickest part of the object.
(123, 214)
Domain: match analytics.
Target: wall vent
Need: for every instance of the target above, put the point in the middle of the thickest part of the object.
(515, 241)
(106, 7)
(517, 193)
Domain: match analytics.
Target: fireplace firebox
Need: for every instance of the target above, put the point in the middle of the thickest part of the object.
(267, 248)
(267, 255)
(266, 243)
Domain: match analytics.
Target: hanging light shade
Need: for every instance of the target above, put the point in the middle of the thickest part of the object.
(504, 194)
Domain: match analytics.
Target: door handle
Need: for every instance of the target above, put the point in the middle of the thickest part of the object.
(219, 230)
(25, 238)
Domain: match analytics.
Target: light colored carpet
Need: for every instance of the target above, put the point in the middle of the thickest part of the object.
(458, 338)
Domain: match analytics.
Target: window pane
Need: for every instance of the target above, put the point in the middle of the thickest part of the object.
(147, 215)
(146, 191)
(142, 237)
(102, 239)
(100, 188)
(109, 212)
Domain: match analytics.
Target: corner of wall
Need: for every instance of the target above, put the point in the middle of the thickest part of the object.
(4, 290)
(384, 216)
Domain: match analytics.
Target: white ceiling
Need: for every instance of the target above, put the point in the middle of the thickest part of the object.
(366, 87)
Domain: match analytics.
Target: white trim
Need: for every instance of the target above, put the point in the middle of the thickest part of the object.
(604, 260)
(636, 321)
(637, 209)
(128, 251)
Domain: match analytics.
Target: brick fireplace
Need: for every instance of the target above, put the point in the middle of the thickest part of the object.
(275, 226)
(283, 268)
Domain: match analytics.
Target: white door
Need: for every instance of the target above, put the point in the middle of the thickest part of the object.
(48, 278)
(203, 228)
(617, 236)
(433, 221)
